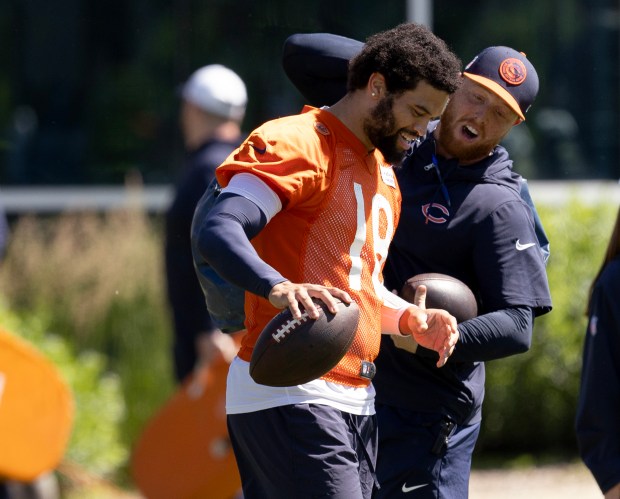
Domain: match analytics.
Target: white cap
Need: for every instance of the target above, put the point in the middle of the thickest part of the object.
(218, 90)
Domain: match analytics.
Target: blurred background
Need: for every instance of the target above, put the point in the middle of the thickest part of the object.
(89, 107)
(87, 89)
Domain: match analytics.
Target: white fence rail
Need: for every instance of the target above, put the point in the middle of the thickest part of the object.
(44, 199)
(155, 199)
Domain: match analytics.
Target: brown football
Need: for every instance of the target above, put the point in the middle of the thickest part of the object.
(445, 292)
(291, 352)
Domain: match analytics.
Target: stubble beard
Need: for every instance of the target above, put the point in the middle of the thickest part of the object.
(453, 147)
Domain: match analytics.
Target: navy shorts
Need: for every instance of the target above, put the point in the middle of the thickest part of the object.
(304, 451)
(423, 455)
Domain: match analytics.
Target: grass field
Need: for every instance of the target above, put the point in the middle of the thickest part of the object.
(566, 481)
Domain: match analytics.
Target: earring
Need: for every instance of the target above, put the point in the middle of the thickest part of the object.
(373, 94)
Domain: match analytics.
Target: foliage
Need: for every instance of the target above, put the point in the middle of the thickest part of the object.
(96, 280)
(95, 441)
(531, 399)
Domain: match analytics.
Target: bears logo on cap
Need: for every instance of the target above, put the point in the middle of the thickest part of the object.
(513, 71)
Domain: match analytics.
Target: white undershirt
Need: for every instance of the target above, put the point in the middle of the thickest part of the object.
(243, 394)
(253, 188)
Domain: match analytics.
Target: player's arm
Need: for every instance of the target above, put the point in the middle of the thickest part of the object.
(316, 63)
(495, 335)
(224, 242)
(432, 328)
(241, 211)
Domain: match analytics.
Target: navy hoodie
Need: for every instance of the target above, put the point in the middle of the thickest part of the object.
(469, 222)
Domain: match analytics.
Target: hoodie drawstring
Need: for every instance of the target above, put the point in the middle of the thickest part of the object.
(442, 186)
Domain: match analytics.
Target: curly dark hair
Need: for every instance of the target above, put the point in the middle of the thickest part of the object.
(404, 55)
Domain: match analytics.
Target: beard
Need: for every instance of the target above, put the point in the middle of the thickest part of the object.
(454, 147)
(379, 128)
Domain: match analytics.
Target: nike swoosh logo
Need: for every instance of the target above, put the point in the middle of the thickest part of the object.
(521, 247)
(259, 151)
(406, 489)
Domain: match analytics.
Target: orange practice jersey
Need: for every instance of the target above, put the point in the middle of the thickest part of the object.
(340, 207)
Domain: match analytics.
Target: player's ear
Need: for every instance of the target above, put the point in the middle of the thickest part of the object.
(376, 85)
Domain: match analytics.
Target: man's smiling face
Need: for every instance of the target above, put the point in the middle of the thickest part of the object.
(399, 119)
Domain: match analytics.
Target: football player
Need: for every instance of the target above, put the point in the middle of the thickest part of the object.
(316, 195)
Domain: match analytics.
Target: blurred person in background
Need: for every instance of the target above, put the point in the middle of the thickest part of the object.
(213, 105)
(598, 410)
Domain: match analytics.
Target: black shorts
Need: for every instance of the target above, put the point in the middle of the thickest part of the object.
(304, 451)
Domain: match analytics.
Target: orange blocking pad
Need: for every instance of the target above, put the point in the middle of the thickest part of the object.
(36, 411)
(184, 451)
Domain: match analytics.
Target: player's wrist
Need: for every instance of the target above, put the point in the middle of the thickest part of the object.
(412, 321)
(403, 323)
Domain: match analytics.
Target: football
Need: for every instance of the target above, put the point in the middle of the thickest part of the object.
(445, 292)
(291, 352)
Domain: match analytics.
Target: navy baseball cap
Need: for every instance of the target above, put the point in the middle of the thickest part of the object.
(508, 74)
